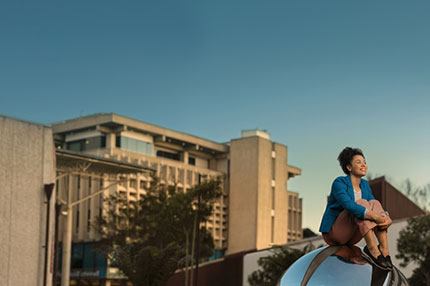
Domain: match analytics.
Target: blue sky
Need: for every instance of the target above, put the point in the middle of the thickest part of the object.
(318, 75)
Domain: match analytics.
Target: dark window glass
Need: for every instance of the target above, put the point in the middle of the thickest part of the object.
(74, 146)
(168, 155)
(118, 141)
(89, 220)
(77, 221)
(87, 144)
(191, 161)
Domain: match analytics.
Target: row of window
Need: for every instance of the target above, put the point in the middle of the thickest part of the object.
(125, 143)
(87, 144)
(133, 145)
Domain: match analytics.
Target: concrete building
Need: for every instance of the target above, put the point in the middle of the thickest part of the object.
(295, 231)
(259, 200)
(27, 174)
(253, 212)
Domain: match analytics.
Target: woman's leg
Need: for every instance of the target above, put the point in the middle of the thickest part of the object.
(367, 228)
(381, 235)
(383, 242)
(342, 230)
(371, 244)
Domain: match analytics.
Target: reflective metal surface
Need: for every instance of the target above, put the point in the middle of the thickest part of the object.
(341, 268)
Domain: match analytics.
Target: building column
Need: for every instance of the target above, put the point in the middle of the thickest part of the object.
(184, 157)
(111, 142)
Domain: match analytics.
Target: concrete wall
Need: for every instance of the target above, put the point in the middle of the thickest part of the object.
(243, 194)
(264, 201)
(26, 165)
(281, 194)
(258, 194)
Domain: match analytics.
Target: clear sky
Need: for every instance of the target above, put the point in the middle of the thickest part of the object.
(318, 75)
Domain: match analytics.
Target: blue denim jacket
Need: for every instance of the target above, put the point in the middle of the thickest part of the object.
(342, 198)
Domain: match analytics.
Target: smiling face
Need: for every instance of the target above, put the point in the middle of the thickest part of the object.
(358, 166)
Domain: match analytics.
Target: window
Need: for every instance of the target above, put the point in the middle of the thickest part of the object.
(191, 161)
(133, 183)
(77, 221)
(273, 198)
(273, 169)
(74, 146)
(133, 145)
(168, 155)
(79, 187)
(272, 233)
(123, 182)
(142, 184)
(87, 144)
(89, 220)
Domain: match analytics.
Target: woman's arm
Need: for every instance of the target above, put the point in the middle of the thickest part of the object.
(339, 191)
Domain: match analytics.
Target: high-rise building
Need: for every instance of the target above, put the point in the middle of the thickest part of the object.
(256, 209)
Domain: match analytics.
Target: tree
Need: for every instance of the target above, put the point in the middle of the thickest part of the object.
(420, 195)
(274, 266)
(413, 245)
(307, 232)
(148, 237)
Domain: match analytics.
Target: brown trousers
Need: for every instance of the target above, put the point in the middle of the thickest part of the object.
(347, 229)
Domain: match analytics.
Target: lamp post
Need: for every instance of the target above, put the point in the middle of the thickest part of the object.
(67, 238)
(58, 207)
(197, 254)
(48, 192)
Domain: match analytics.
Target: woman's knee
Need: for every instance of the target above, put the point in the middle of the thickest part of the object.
(375, 205)
(363, 202)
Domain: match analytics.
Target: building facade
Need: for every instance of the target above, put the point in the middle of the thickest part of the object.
(391, 198)
(27, 214)
(254, 211)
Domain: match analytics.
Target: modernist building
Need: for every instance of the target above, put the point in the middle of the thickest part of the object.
(256, 209)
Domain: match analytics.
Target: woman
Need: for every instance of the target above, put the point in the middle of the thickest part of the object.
(353, 213)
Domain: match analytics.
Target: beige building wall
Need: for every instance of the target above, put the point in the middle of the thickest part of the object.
(258, 193)
(281, 196)
(243, 211)
(26, 165)
(264, 193)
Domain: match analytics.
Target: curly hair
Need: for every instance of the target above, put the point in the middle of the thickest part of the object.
(345, 157)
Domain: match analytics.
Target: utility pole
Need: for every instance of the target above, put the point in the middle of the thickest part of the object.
(197, 254)
(67, 238)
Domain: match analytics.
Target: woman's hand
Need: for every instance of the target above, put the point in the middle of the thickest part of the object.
(386, 224)
(379, 219)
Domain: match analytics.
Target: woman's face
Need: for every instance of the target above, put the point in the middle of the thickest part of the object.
(358, 166)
